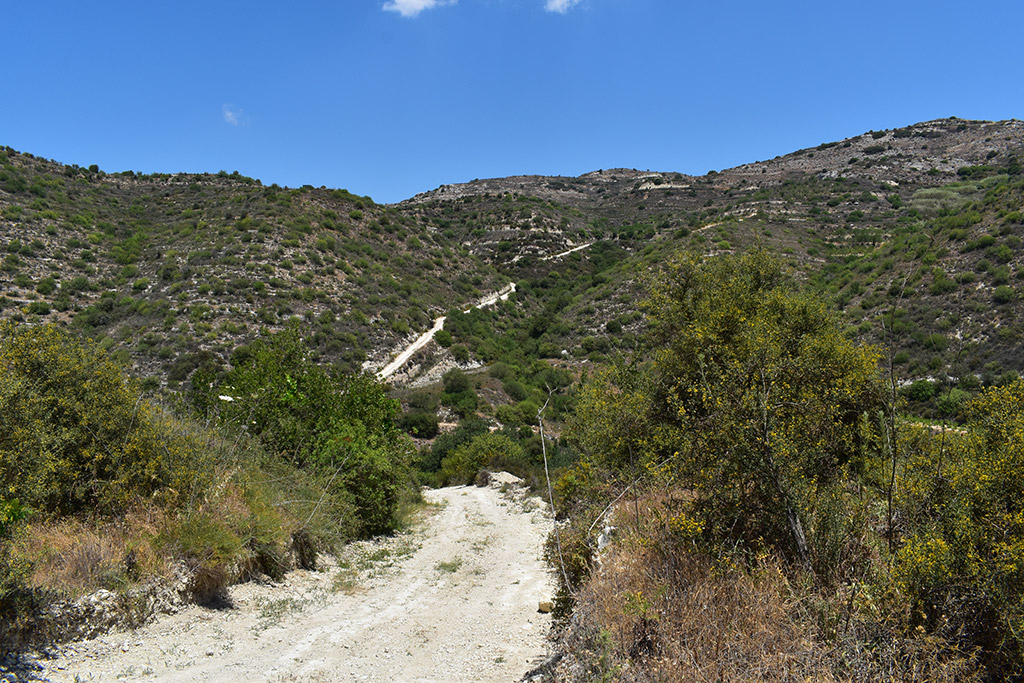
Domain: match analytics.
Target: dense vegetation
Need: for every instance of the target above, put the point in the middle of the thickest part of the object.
(775, 519)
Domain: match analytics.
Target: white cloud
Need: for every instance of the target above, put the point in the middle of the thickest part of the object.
(411, 8)
(232, 114)
(560, 6)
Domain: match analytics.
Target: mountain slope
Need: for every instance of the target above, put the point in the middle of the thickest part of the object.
(923, 222)
(177, 270)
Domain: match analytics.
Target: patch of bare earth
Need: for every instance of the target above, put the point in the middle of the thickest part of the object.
(454, 600)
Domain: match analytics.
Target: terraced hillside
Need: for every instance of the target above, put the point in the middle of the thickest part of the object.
(916, 234)
(920, 227)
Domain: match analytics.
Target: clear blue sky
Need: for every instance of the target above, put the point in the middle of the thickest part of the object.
(394, 97)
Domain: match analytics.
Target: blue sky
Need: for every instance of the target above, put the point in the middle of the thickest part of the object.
(393, 97)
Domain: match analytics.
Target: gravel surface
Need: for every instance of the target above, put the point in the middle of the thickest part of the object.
(456, 599)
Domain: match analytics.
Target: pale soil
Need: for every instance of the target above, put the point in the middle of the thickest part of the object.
(566, 253)
(403, 357)
(456, 599)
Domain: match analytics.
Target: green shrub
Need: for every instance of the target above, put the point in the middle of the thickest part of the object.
(38, 308)
(339, 426)
(420, 424)
(920, 390)
(515, 390)
(11, 512)
(1003, 294)
(75, 434)
(430, 460)
(460, 353)
(47, 286)
(443, 338)
(949, 404)
(487, 451)
(456, 381)
(963, 564)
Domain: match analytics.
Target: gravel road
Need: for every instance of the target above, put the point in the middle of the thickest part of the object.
(453, 600)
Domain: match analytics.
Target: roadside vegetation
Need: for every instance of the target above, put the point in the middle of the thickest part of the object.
(103, 488)
(774, 516)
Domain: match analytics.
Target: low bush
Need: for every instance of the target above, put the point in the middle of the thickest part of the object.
(487, 451)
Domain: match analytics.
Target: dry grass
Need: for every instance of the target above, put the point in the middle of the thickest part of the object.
(660, 610)
(72, 557)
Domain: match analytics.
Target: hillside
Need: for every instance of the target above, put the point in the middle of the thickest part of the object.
(923, 223)
(697, 343)
(174, 271)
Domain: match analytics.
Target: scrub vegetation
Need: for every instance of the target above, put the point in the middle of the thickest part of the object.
(791, 387)
(106, 489)
(772, 521)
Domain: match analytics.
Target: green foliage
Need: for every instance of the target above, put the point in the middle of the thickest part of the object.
(46, 286)
(75, 434)
(458, 392)
(754, 401)
(420, 423)
(456, 381)
(429, 461)
(920, 390)
(762, 393)
(487, 451)
(340, 425)
(443, 338)
(1003, 294)
(11, 512)
(963, 565)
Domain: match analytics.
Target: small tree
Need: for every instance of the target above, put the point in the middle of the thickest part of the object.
(342, 426)
(753, 400)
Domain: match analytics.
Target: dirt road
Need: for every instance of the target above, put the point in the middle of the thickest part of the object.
(454, 600)
(405, 354)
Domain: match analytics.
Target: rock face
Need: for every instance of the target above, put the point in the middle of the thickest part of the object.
(101, 612)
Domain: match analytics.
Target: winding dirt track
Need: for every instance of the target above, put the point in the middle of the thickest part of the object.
(502, 295)
(455, 600)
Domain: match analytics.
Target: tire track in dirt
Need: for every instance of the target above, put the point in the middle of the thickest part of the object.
(454, 600)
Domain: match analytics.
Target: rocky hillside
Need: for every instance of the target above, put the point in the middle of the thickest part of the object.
(923, 224)
(178, 270)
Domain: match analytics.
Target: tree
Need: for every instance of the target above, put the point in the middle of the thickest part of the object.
(764, 394)
(341, 426)
(750, 397)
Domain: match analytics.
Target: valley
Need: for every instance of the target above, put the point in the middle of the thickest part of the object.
(777, 407)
